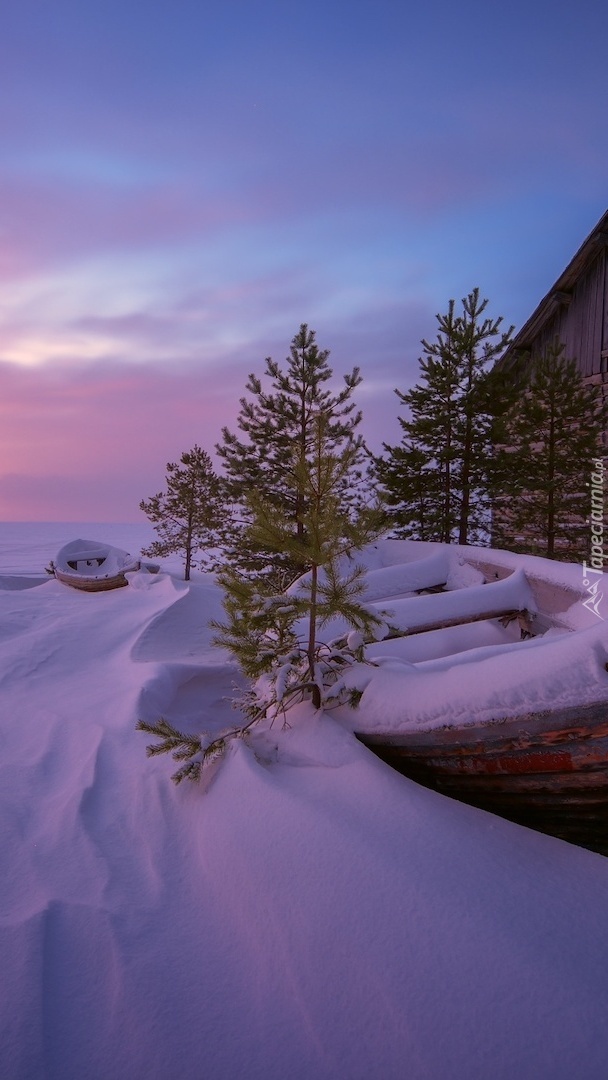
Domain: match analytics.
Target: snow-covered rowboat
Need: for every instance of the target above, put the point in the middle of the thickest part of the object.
(93, 566)
(543, 765)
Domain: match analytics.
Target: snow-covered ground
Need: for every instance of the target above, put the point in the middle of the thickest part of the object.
(309, 913)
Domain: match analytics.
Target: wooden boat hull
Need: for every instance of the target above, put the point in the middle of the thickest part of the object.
(93, 584)
(546, 770)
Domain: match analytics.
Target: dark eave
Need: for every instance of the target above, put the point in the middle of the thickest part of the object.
(561, 293)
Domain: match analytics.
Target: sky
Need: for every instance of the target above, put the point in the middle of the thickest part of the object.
(183, 184)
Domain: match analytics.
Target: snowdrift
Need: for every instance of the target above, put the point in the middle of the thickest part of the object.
(309, 914)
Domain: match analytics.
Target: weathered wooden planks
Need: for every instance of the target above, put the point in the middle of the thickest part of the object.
(547, 770)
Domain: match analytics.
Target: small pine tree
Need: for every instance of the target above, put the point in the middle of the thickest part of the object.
(275, 420)
(549, 441)
(275, 636)
(435, 482)
(190, 516)
(194, 751)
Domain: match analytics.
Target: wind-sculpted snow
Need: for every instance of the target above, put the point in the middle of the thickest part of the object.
(192, 697)
(14, 583)
(306, 913)
(181, 630)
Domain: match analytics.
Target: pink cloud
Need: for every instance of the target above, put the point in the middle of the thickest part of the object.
(89, 443)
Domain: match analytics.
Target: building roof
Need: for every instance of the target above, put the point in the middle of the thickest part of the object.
(561, 291)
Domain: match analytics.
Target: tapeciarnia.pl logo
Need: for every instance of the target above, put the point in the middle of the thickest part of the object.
(596, 555)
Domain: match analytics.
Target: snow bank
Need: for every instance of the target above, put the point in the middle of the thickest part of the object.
(310, 913)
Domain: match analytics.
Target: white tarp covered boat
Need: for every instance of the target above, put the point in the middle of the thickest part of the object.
(94, 566)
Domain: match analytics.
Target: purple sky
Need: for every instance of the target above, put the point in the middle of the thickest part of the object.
(182, 184)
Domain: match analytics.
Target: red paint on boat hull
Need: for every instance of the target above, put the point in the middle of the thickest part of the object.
(546, 770)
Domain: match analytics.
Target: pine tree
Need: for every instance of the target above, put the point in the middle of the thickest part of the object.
(194, 751)
(550, 440)
(411, 491)
(478, 343)
(190, 515)
(275, 419)
(435, 481)
(276, 636)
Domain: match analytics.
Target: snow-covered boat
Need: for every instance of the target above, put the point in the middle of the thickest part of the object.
(93, 566)
(519, 729)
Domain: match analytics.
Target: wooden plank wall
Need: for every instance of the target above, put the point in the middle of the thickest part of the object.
(582, 325)
(605, 331)
(586, 318)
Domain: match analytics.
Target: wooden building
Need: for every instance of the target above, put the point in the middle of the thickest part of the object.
(575, 311)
